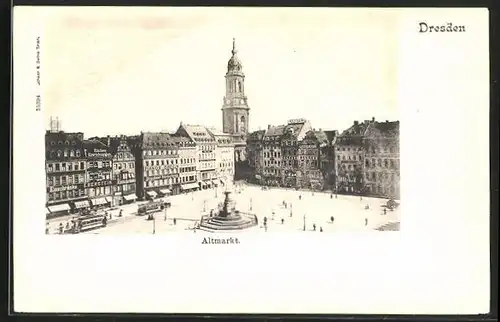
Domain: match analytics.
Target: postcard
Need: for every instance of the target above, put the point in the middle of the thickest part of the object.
(250, 160)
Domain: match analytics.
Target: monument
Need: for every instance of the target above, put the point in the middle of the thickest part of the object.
(228, 218)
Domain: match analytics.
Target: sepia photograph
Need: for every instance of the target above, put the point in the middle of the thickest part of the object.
(138, 158)
(251, 160)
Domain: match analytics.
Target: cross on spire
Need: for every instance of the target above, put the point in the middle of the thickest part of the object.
(234, 51)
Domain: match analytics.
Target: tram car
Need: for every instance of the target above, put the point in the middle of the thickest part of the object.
(152, 207)
(85, 223)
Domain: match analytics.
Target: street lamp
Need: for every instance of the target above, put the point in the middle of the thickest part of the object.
(154, 225)
(304, 222)
(165, 212)
(250, 203)
(204, 205)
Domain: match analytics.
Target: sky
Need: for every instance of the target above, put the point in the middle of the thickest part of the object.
(126, 70)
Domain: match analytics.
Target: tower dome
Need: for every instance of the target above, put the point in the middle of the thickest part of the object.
(234, 64)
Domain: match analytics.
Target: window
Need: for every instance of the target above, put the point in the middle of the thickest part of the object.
(71, 153)
(77, 153)
(49, 167)
(57, 167)
(70, 166)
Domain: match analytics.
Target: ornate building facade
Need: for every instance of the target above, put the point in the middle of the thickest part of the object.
(99, 184)
(65, 168)
(123, 170)
(157, 165)
(206, 146)
(381, 170)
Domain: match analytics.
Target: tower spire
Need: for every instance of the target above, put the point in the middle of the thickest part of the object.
(234, 51)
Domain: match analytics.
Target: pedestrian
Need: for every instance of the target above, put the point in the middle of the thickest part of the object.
(282, 221)
(335, 196)
(121, 213)
(175, 221)
(47, 230)
(331, 196)
(366, 221)
(360, 198)
(314, 227)
(332, 219)
(367, 207)
(320, 229)
(60, 228)
(385, 211)
(300, 197)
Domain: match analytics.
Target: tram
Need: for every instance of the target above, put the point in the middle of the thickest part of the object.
(85, 223)
(152, 207)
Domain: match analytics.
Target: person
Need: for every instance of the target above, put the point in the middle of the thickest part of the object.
(335, 196)
(314, 227)
(331, 196)
(366, 221)
(332, 219)
(367, 207)
(300, 197)
(104, 221)
(290, 213)
(121, 213)
(67, 225)
(320, 229)
(46, 229)
(60, 228)
(282, 221)
(175, 221)
(385, 211)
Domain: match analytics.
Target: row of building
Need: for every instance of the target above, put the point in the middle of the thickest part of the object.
(364, 159)
(107, 171)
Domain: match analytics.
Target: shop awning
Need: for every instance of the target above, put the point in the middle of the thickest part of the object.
(99, 201)
(151, 193)
(130, 197)
(57, 208)
(188, 186)
(82, 204)
(165, 191)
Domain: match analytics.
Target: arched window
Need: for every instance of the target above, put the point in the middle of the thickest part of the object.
(367, 163)
(77, 153)
(59, 153)
(240, 86)
(65, 153)
(71, 153)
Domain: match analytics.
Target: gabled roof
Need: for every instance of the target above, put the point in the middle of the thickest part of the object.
(275, 130)
(156, 140)
(331, 135)
(216, 132)
(197, 133)
(256, 135)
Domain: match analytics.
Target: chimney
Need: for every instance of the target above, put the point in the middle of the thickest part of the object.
(268, 126)
(386, 121)
(373, 119)
(356, 123)
(109, 140)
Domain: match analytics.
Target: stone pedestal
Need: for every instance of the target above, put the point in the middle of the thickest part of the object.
(228, 218)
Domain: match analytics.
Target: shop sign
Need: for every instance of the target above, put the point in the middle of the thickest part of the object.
(103, 183)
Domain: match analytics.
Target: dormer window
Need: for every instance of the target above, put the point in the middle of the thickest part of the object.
(52, 143)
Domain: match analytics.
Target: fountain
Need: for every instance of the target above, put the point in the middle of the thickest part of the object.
(228, 218)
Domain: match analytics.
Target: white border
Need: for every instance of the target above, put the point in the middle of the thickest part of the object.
(440, 265)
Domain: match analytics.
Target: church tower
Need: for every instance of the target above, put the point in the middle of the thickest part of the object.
(235, 110)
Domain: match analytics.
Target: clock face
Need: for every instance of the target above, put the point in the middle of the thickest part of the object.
(228, 101)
